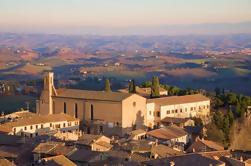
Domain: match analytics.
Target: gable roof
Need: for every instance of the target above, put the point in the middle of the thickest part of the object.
(164, 151)
(36, 119)
(59, 160)
(92, 95)
(5, 162)
(174, 120)
(167, 133)
(88, 139)
(83, 155)
(204, 145)
(193, 159)
(172, 100)
(46, 147)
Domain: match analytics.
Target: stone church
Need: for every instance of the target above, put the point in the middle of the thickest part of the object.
(110, 113)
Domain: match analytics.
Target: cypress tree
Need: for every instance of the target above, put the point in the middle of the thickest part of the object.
(132, 87)
(155, 87)
(107, 85)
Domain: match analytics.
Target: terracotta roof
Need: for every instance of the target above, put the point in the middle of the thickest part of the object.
(137, 146)
(140, 157)
(104, 144)
(11, 139)
(38, 119)
(167, 133)
(204, 146)
(87, 139)
(216, 154)
(9, 151)
(58, 161)
(185, 160)
(172, 100)
(46, 147)
(5, 162)
(164, 151)
(174, 120)
(83, 155)
(248, 161)
(62, 150)
(137, 132)
(92, 95)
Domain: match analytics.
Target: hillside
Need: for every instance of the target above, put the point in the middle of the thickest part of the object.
(242, 135)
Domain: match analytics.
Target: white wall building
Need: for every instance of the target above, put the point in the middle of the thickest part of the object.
(177, 106)
(40, 124)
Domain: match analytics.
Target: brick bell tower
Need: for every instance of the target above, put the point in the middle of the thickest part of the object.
(44, 105)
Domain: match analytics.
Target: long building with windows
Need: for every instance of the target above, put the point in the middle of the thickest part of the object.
(111, 113)
(35, 125)
(188, 106)
(117, 113)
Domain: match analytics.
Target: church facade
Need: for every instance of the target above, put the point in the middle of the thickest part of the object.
(117, 113)
(110, 113)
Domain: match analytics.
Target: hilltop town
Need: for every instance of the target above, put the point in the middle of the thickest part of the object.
(147, 125)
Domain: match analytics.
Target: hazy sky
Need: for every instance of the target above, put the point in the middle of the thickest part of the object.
(52, 15)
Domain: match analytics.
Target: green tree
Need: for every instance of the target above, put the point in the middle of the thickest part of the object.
(231, 99)
(132, 87)
(230, 117)
(146, 84)
(215, 134)
(217, 91)
(218, 119)
(226, 127)
(107, 85)
(155, 87)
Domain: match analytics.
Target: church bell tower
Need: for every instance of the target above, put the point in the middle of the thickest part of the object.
(44, 105)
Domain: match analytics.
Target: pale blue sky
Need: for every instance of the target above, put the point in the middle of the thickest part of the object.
(27, 15)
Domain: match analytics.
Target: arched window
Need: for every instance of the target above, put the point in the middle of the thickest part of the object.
(76, 110)
(65, 107)
(92, 114)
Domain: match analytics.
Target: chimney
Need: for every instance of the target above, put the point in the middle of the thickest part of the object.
(172, 163)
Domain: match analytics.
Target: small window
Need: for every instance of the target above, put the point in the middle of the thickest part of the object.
(36, 126)
(180, 110)
(63, 124)
(25, 128)
(150, 112)
(176, 111)
(69, 123)
(31, 127)
(65, 107)
(76, 110)
(134, 104)
(36, 134)
(168, 112)
(42, 126)
(50, 124)
(186, 109)
(14, 131)
(191, 108)
(158, 114)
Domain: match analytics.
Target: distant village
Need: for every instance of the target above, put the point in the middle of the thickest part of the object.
(134, 126)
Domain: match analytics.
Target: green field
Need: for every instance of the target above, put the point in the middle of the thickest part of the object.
(10, 104)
